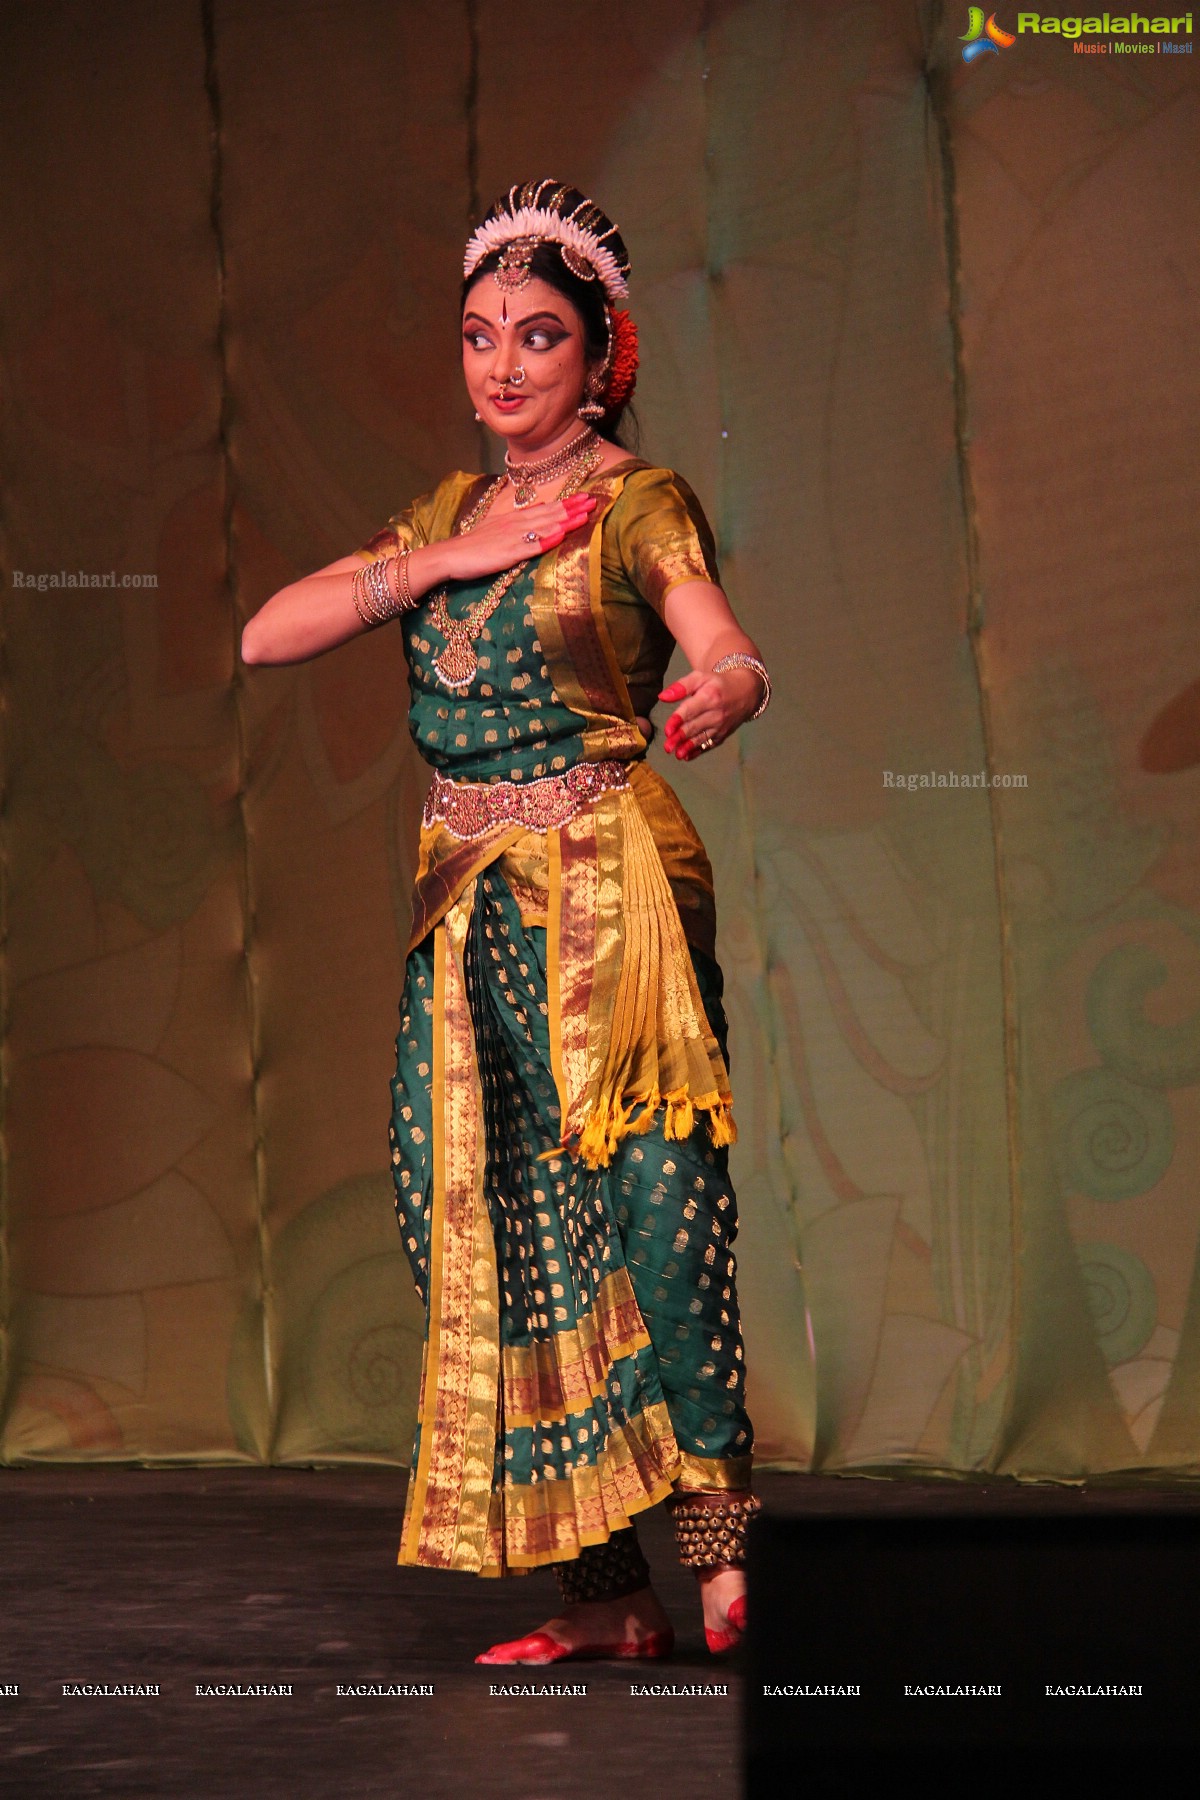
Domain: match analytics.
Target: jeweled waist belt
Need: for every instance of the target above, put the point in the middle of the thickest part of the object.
(470, 809)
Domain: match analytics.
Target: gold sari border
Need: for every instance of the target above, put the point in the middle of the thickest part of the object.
(446, 866)
(568, 615)
(447, 1512)
(549, 1521)
(418, 1487)
(558, 1378)
(650, 1047)
(547, 1508)
(713, 1474)
(577, 959)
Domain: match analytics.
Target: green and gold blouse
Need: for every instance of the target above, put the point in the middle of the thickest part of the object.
(513, 724)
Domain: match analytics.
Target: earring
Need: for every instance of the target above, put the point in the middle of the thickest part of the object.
(479, 418)
(591, 406)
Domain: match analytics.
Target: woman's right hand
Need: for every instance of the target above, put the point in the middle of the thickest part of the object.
(317, 612)
(500, 542)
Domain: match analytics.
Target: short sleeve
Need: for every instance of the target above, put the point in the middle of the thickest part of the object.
(662, 535)
(427, 519)
(408, 526)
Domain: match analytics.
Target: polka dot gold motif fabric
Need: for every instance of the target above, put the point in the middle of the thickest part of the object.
(561, 1111)
(606, 1326)
(511, 724)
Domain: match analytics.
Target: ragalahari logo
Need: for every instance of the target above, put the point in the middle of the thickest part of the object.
(981, 35)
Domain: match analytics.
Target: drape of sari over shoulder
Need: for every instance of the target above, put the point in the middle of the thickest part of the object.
(561, 1105)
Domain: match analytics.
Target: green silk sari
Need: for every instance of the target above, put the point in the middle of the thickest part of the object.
(560, 1105)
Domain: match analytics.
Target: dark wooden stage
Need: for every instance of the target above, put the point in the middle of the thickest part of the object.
(191, 1577)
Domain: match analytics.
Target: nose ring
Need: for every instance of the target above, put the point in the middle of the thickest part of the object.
(516, 379)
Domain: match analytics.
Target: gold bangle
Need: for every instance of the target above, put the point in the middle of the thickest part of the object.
(358, 593)
(371, 589)
(737, 659)
(393, 598)
(407, 601)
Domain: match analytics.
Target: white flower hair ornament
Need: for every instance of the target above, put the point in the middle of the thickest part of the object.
(517, 232)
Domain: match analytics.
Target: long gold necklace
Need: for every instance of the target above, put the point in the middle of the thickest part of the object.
(456, 665)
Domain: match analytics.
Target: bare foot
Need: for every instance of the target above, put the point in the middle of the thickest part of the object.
(590, 1625)
(631, 1619)
(719, 1588)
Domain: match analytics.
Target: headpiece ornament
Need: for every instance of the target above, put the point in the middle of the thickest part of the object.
(531, 214)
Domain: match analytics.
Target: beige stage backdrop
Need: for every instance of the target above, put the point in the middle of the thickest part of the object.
(922, 333)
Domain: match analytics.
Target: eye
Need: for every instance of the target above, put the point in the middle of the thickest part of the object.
(477, 340)
(544, 337)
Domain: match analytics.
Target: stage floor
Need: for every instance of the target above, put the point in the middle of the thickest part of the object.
(195, 1577)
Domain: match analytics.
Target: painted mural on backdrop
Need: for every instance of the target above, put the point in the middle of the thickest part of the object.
(1100, 949)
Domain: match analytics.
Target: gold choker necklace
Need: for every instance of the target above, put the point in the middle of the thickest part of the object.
(527, 477)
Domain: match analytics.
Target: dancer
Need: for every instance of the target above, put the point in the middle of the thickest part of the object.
(561, 1107)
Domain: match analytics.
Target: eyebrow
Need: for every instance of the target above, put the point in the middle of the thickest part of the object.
(544, 314)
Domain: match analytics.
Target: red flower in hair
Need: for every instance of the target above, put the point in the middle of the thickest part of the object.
(622, 375)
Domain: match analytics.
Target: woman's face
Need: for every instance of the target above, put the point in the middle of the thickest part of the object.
(534, 328)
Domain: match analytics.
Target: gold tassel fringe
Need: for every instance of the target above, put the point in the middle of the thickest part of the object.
(613, 1121)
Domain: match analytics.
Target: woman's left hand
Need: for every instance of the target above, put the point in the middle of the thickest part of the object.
(711, 709)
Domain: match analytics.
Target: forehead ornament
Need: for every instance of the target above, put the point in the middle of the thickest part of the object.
(513, 272)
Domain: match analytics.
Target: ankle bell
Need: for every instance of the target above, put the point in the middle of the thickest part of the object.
(607, 1571)
(710, 1529)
